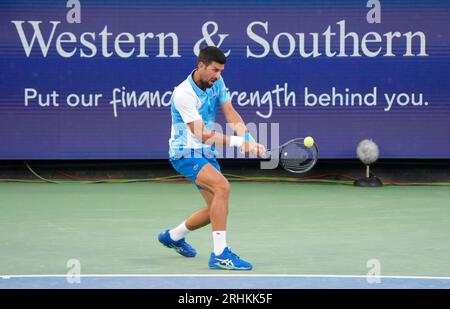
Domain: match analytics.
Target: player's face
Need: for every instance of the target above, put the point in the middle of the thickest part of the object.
(210, 74)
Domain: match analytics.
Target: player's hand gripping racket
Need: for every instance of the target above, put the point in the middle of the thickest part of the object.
(295, 156)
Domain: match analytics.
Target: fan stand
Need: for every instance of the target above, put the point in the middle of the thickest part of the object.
(369, 180)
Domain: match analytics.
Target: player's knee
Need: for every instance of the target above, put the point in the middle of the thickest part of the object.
(223, 188)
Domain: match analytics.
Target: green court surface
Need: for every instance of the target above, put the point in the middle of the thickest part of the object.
(282, 228)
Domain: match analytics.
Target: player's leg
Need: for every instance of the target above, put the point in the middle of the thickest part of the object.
(212, 180)
(200, 218)
(175, 238)
(222, 257)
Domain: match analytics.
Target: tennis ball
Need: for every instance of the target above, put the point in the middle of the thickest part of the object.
(308, 141)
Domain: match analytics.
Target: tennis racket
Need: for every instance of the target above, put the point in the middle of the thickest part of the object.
(294, 156)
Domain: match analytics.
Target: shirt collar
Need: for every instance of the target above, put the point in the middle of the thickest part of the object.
(197, 90)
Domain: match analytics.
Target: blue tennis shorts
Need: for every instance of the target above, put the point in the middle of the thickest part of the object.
(190, 167)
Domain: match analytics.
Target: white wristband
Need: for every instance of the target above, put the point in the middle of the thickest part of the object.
(236, 141)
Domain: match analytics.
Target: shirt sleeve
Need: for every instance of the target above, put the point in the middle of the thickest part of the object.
(185, 104)
(224, 93)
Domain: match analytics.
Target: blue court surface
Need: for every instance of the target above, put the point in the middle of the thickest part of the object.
(222, 282)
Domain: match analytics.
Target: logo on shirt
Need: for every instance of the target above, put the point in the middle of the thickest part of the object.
(195, 167)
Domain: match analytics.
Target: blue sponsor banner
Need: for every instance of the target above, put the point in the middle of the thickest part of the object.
(93, 79)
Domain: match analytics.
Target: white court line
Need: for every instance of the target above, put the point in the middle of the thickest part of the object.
(225, 276)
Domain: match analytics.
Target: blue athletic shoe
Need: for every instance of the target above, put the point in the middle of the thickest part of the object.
(228, 261)
(180, 246)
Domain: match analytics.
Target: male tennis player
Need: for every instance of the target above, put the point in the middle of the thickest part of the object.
(194, 103)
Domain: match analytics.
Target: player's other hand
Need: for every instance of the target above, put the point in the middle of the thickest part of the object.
(261, 151)
(254, 148)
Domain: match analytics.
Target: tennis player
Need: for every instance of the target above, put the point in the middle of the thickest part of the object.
(192, 153)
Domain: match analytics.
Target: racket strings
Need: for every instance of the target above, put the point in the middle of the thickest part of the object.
(296, 157)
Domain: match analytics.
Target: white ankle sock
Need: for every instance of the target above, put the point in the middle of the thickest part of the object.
(220, 241)
(179, 232)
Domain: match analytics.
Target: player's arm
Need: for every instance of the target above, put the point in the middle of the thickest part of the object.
(185, 104)
(210, 137)
(236, 122)
(233, 119)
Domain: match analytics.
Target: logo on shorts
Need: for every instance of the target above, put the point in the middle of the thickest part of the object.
(195, 167)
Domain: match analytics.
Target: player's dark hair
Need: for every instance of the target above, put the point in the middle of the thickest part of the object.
(210, 54)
